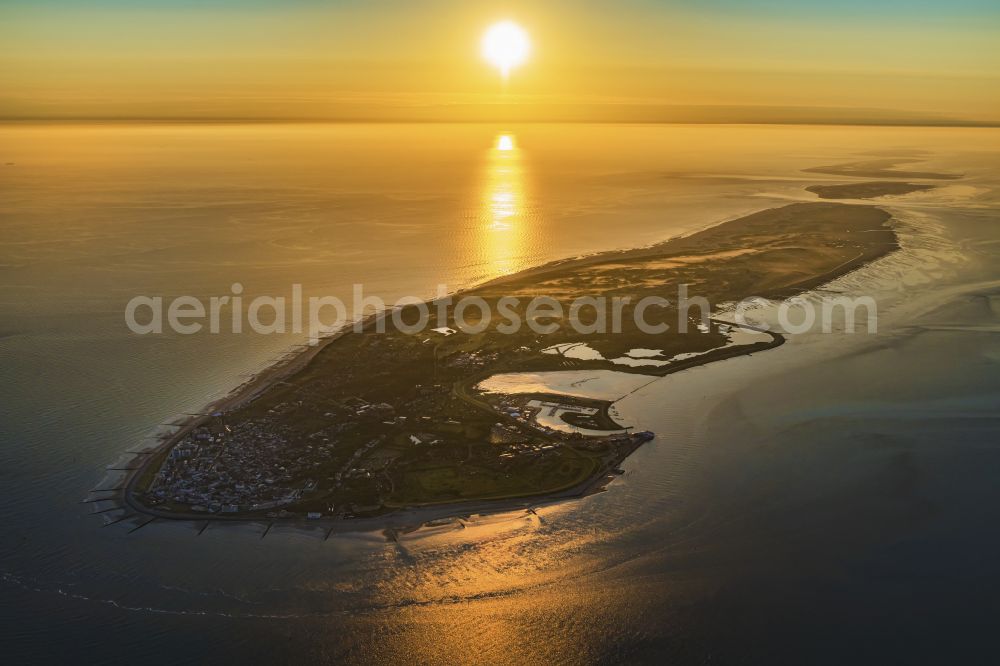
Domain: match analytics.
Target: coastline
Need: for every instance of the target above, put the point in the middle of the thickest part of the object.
(294, 361)
(246, 392)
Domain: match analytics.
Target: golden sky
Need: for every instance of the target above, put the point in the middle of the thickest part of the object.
(715, 60)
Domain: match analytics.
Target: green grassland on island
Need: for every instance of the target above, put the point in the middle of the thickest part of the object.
(454, 483)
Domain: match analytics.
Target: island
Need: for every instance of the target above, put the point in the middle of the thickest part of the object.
(372, 422)
(867, 190)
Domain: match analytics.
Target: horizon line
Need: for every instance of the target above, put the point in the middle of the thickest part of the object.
(235, 120)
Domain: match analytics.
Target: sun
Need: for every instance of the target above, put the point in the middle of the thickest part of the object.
(506, 46)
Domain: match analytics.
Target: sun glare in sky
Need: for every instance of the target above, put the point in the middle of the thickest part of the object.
(506, 46)
(769, 61)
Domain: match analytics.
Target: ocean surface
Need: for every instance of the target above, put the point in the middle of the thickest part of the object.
(834, 500)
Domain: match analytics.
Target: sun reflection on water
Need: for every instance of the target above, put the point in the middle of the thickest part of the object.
(504, 209)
